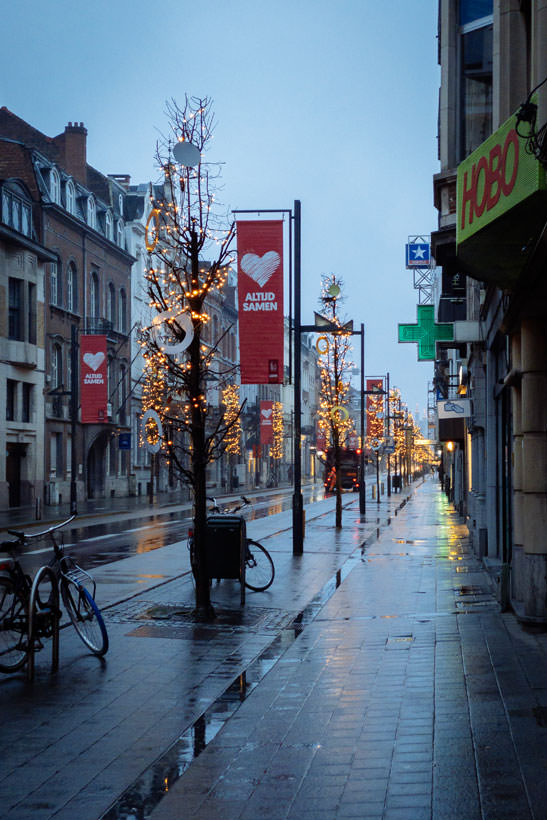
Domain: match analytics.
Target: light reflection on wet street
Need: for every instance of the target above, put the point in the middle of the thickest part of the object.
(133, 533)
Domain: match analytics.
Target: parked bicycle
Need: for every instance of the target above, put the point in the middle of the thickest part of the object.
(29, 609)
(259, 566)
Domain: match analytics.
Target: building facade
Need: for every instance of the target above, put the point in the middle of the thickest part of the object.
(491, 246)
(78, 216)
(23, 263)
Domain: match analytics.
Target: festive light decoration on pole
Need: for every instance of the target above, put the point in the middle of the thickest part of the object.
(335, 422)
(335, 365)
(230, 399)
(276, 448)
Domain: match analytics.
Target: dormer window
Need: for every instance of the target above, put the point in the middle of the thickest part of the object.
(16, 211)
(70, 193)
(120, 204)
(91, 212)
(109, 226)
(119, 233)
(55, 186)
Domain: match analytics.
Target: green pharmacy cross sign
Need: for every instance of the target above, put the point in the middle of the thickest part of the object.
(426, 333)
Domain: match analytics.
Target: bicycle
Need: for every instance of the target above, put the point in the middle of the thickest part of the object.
(259, 566)
(29, 609)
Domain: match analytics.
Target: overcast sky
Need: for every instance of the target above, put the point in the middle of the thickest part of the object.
(331, 103)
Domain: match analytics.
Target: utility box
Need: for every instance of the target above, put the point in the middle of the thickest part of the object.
(226, 548)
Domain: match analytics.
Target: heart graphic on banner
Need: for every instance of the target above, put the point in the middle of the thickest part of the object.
(94, 360)
(267, 413)
(260, 268)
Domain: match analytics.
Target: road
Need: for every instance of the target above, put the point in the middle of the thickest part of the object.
(131, 533)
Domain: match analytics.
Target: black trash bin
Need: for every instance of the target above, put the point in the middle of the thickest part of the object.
(226, 547)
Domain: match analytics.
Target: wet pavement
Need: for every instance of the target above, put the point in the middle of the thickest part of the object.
(376, 678)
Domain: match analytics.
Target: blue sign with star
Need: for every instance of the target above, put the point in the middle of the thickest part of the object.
(418, 255)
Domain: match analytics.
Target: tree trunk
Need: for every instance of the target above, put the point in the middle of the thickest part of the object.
(204, 609)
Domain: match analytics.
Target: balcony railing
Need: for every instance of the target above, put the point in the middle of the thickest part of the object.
(98, 325)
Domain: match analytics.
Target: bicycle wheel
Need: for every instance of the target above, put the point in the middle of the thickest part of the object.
(259, 567)
(13, 627)
(85, 616)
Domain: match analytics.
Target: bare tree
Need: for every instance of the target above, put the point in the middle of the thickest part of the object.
(185, 228)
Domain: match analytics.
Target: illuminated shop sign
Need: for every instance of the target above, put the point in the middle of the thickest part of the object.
(496, 177)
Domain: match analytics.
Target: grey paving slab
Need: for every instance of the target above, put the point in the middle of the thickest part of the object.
(400, 695)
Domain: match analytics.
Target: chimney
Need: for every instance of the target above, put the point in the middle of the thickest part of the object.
(73, 146)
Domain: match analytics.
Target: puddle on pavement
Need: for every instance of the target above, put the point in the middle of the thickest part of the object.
(141, 798)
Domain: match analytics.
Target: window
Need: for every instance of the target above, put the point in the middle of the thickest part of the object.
(91, 212)
(69, 455)
(6, 207)
(122, 417)
(119, 233)
(476, 73)
(31, 310)
(94, 296)
(15, 311)
(56, 455)
(11, 396)
(70, 192)
(16, 211)
(26, 409)
(55, 288)
(56, 366)
(25, 219)
(473, 10)
(111, 304)
(69, 369)
(55, 186)
(122, 311)
(71, 288)
(109, 226)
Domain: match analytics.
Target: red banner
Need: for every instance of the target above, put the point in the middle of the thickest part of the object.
(266, 422)
(375, 406)
(93, 379)
(260, 300)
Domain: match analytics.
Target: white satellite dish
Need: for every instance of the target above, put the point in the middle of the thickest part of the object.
(186, 154)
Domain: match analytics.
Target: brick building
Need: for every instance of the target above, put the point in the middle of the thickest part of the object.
(76, 214)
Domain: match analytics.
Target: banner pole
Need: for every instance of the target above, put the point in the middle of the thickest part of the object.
(298, 506)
